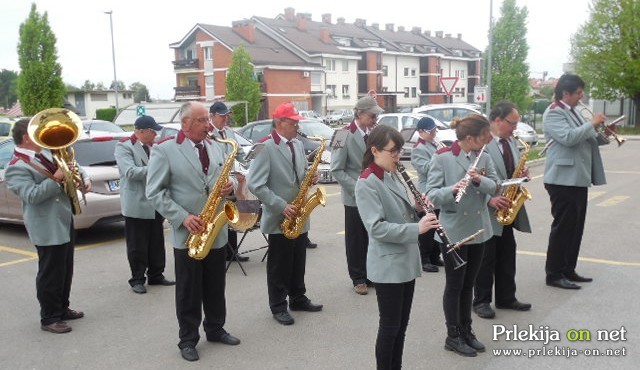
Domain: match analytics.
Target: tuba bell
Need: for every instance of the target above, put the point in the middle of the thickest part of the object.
(56, 129)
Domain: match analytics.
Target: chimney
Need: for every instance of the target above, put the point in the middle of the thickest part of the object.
(375, 26)
(324, 35)
(360, 22)
(416, 30)
(439, 34)
(303, 21)
(245, 28)
(427, 33)
(326, 18)
(448, 35)
(388, 27)
(400, 28)
(459, 36)
(340, 20)
(289, 13)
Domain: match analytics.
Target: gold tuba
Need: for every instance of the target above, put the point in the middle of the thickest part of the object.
(517, 194)
(291, 228)
(200, 244)
(56, 129)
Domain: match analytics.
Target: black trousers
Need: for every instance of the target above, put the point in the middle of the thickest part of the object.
(53, 281)
(569, 211)
(286, 262)
(394, 306)
(458, 288)
(145, 248)
(200, 285)
(499, 263)
(429, 249)
(357, 243)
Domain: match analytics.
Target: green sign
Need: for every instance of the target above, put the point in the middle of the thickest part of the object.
(140, 110)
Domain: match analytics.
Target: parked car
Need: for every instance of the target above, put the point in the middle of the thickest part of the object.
(255, 131)
(100, 125)
(446, 112)
(526, 133)
(310, 114)
(95, 154)
(402, 121)
(6, 125)
(339, 117)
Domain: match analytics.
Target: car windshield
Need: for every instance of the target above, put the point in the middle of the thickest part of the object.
(96, 152)
(102, 126)
(312, 128)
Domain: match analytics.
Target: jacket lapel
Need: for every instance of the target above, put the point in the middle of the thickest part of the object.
(494, 152)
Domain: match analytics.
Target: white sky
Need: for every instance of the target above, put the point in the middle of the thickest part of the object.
(143, 30)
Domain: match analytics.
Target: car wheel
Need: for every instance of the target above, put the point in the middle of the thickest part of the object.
(340, 122)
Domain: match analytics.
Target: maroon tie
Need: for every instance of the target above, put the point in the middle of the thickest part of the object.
(221, 132)
(50, 166)
(204, 158)
(293, 154)
(365, 137)
(508, 157)
(146, 149)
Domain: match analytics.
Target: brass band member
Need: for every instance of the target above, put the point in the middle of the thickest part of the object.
(181, 172)
(573, 164)
(499, 260)
(446, 178)
(393, 261)
(346, 165)
(275, 177)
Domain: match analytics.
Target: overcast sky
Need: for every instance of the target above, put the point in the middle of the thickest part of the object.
(143, 30)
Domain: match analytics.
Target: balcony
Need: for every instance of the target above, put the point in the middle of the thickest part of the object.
(187, 92)
(185, 64)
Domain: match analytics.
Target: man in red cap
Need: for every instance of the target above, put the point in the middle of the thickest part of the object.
(275, 177)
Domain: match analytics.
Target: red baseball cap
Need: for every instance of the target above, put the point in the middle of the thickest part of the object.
(287, 110)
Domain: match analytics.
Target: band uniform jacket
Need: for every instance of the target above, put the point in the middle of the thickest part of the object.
(574, 157)
(132, 164)
(449, 166)
(521, 223)
(346, 163)
(391, 223)
(229, 134)
(273, 180)
(177, 187)
(46, 209)
(421, 155)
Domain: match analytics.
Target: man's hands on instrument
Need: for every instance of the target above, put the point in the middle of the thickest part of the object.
(290, 211)
(58, 175)
(598, 119)
(475, 175)
(428, 222)
(314, 178)
(87, 185)
(227, 188)
(194, 224)
(500, 202)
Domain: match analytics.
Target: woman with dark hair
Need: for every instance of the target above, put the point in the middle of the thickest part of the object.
(393, 258)
(447, 172)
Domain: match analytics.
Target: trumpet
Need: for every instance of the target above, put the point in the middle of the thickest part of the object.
(467, 176)
(603, 129)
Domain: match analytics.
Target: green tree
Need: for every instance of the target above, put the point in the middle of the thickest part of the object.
(40, 84)
(88, 86)
(606, 51)
(8, 88)
(509, 70)
(141, 93)
(121, 85)
(241, 85)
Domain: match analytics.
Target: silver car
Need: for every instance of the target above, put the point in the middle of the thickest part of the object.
(339, 117)
(403, 121)
(95, 154)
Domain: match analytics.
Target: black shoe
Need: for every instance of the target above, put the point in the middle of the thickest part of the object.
(283, 318)
(470, 338)
(437, 262)
(163, 282)
(515, 305)
(427, 267)
(139, 288)
(484, 310)
(563, 283)
(459, 346)
(70, 314)
(312, 245)
(225, 338)
(189, 353)
(306, 306)
(577, 278)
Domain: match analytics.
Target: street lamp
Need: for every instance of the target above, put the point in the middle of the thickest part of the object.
(113, 53)
(326, 105)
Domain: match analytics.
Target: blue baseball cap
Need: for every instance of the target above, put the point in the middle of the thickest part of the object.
(426, 124)
(147, 122)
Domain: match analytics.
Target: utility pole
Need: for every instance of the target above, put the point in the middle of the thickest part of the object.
(113, 53)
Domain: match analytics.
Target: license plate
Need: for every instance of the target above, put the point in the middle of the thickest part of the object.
(114, 185)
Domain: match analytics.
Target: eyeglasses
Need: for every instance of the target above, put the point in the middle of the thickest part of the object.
(202, 119)
(393, 152)
(511, 123)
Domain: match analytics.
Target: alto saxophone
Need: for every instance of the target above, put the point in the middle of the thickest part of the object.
(200, 244)
(291, 228)
(517, 194)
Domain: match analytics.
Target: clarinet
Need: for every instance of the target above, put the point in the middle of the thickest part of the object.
(467, 176)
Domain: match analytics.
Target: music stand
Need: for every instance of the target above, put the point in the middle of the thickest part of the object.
(247, 207)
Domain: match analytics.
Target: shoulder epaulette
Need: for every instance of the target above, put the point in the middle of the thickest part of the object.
(264, 139)
(124, 139)
(165, 139)
(366, 173)
(443, 150)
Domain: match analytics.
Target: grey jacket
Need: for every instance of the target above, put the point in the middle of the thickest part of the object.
(421, 155)
(346, 163)
(132, 164)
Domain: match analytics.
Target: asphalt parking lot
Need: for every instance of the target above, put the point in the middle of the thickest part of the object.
(125, 330)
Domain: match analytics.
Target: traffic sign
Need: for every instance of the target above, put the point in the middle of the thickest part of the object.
(448, 83)
(140, 110)
(372, 93)
(480, 94)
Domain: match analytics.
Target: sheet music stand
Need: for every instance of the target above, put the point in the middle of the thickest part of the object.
(247, 207)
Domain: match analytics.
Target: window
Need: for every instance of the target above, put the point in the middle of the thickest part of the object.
(406, 92)
(98, 97)
(330, 64)
(208, 53)
(345, 91)
(406, 71)
(316, 78)
(414, 92)
(345, 66)
(413, 72)
(391, 121)
(333, 91)
(385, 71)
